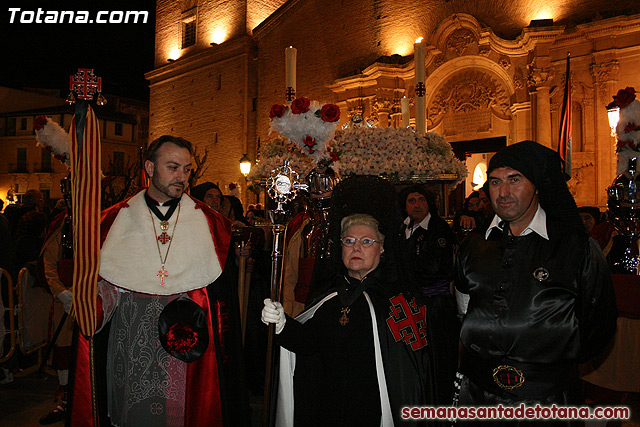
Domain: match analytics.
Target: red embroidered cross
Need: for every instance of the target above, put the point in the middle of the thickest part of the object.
(164, 237)
(85, 83)
(407, 322)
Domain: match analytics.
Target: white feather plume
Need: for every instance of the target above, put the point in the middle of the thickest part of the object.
(55, 139)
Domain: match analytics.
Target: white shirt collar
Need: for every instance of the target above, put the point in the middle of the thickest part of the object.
(538, 225)
(424, 224)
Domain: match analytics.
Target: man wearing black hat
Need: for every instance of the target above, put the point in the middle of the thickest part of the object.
(428, 249)
(535, 290)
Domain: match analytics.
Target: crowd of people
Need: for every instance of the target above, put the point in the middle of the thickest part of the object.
(385, 305)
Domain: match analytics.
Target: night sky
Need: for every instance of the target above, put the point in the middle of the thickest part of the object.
(44, 55)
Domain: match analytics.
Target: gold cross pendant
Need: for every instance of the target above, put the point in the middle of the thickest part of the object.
(344, 319)
(162, 274)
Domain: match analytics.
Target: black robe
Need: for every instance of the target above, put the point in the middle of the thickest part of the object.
(335, 381)
(429, 256)
(539, 306)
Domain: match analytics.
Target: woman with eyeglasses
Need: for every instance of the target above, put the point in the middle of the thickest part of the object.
(359, 353)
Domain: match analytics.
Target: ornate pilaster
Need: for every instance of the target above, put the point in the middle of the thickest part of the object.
(539, 80)
(605, 79)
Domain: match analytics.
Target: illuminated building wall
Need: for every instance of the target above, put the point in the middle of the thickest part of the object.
(359, 54)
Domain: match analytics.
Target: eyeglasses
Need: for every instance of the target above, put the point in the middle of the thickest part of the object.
(365, 241)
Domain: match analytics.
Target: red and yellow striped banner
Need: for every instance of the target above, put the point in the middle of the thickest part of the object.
(85, 178)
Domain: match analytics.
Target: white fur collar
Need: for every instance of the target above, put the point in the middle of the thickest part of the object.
(129, 257)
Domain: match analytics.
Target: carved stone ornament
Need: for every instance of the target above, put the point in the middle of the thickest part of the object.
(460, 40)
(605, 72)
(439, 60)
(484, 50)
(538, 76)
(382, 105)
(504, 62)
(518, 79)
(469, 91)
(604, 94)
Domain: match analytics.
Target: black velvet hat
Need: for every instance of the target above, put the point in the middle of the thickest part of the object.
(200, 190)
(543, 167)
(182, 328)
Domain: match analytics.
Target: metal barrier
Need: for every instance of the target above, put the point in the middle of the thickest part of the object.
(8, 291)
(28, 321)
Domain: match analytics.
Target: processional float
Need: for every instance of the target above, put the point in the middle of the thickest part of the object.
(624, 192)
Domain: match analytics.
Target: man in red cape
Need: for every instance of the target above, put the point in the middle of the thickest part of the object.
(158, 248)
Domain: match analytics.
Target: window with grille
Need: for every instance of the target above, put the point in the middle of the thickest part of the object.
(188, 33)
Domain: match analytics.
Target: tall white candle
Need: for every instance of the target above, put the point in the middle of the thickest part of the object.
(290, 55)
(421, 107)
(404, 107)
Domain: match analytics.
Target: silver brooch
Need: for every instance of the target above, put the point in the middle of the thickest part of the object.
(541, 274)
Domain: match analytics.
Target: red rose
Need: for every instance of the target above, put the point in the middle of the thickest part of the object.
(330, 113)
(300, 105)
(334, 156)
(277, 110)
(39, 122)
(309, 142)
(625, 96)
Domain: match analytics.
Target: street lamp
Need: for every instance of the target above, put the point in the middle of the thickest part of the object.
(613, 113)
(245, 165)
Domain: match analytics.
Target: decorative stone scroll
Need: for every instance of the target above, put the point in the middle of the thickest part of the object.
(460, 40)
(469, 92)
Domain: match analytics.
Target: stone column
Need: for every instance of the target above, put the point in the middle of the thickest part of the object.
(543, 116)
(604, 70)
(539, 79)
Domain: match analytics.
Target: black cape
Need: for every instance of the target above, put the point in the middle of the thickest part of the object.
(404, 367)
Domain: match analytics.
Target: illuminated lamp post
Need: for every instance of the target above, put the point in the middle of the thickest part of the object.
(245, 165)
(613, 114)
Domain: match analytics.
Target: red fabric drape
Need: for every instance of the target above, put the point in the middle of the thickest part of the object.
(203, 407)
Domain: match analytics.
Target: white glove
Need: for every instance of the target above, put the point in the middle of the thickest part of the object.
(273, 313)
(66, 298)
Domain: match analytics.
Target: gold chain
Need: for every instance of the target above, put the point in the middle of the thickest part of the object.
(162, 261)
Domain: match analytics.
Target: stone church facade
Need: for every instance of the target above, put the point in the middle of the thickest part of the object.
(495, 72)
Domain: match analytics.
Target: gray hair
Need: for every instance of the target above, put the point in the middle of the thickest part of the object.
(361, 219)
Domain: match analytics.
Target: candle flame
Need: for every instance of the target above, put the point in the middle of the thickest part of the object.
(419, 40)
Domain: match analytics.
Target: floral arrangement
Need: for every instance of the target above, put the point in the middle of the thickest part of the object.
(308, 124)
(628, 128)
(398, 154)
(52, 138)
(274, 153)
